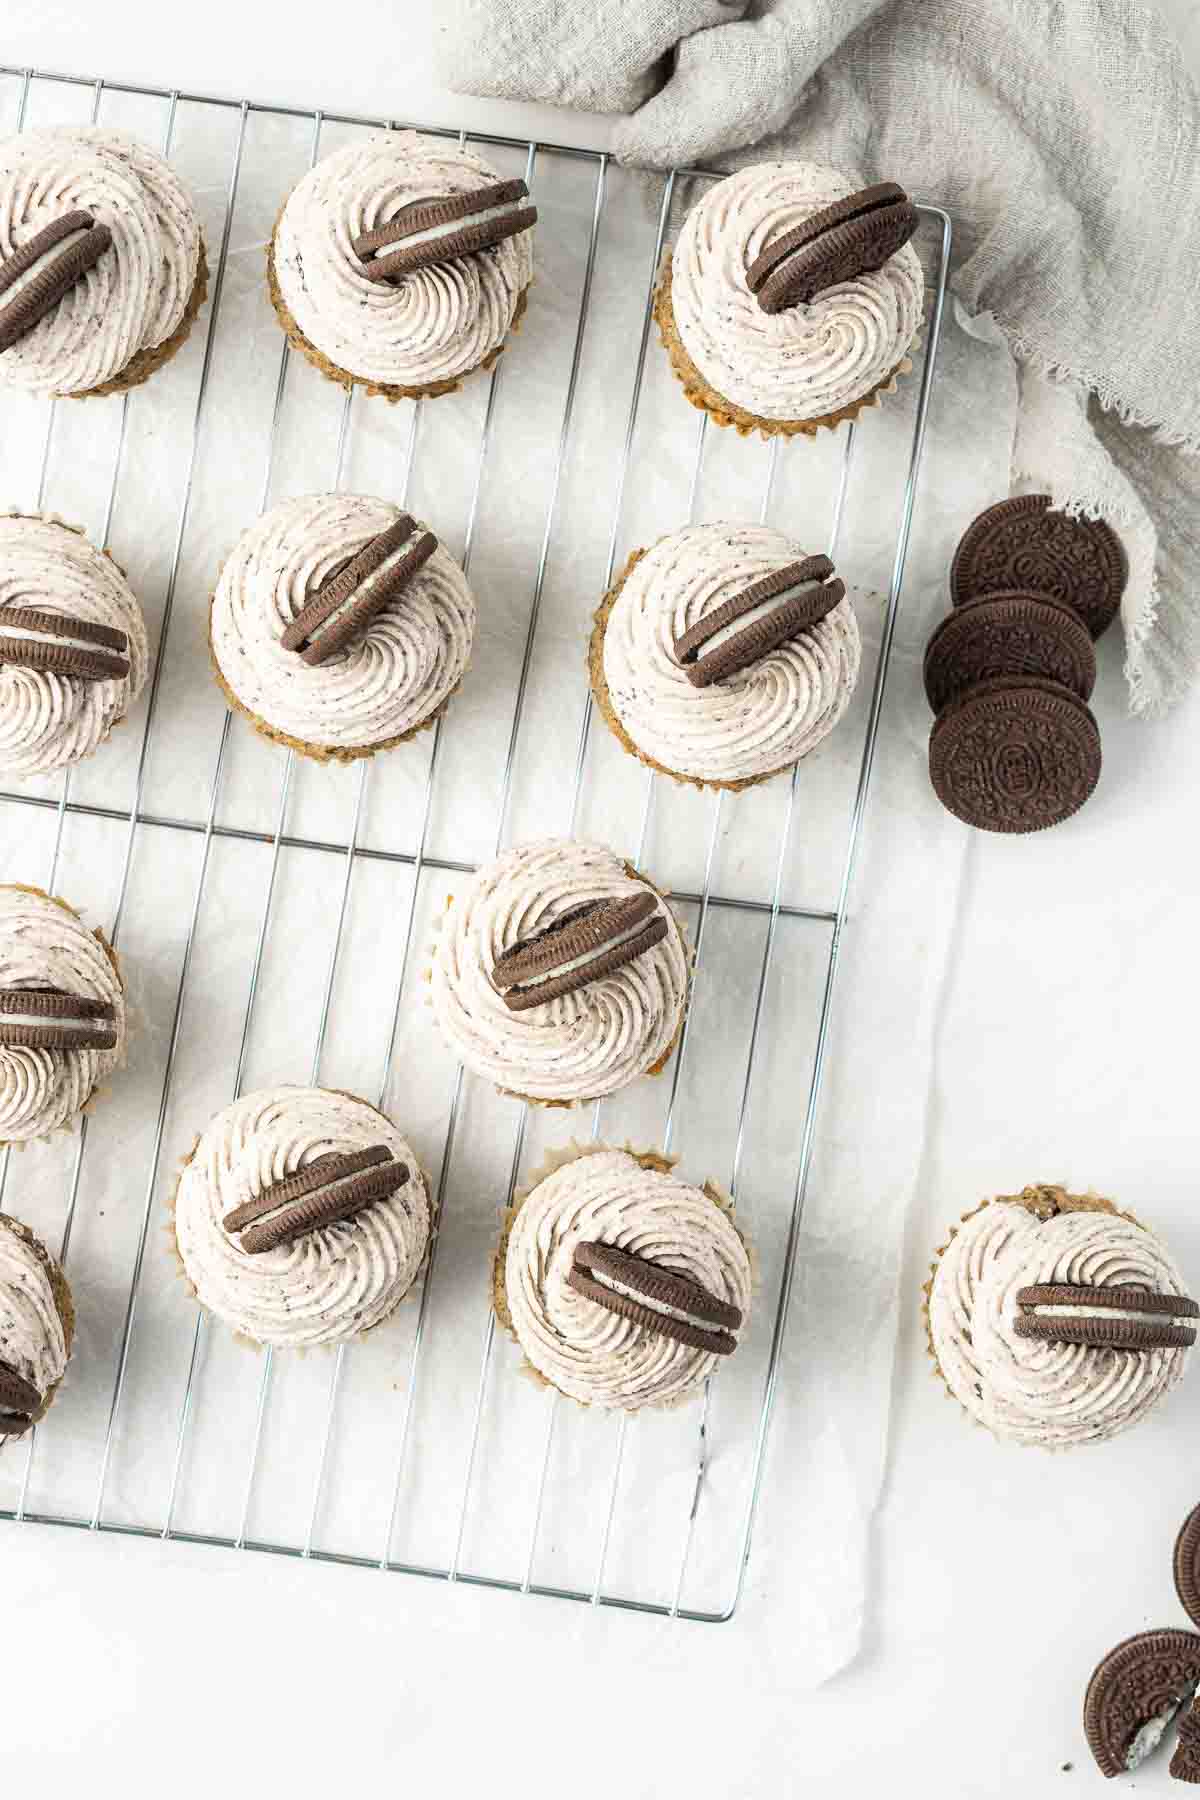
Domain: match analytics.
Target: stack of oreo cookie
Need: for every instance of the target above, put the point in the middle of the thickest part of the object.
(1009, 672)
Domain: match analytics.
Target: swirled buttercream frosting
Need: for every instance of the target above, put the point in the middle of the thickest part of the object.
(134, 297)
(327, 1284)
(809, 360)
(50, 719)
(578, 1045)
(35, 1338)
(1029, 1386)
(588, 1350)
(750, 723)
(430, 327)
(44, 944)
(386, 680)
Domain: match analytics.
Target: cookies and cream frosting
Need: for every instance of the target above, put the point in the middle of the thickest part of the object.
(1033, 1390)
(431, 326)
(136, 295)
(43, 943)
(582, 1044)
(330, 1284)
(808, 360)
(754, 722)
(33, 1343)
(48, 720)
(388, 678)
(586, 1351)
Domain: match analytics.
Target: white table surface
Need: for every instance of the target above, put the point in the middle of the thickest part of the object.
(1065, 1050)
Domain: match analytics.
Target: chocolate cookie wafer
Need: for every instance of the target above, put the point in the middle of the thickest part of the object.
(1008, 634)
(852, 237)
(330, 1190)
(1187, 1565)
(1134, 1694)
(583, 945)
(1109, 1318)
(20, 1402)
(1015, 754)
(48, 1018)
(1185, 1763)
(1025, 543)
(346, 603)
(658, 1299)
(62, 644)
(427, 232)
(46, 267)
(747, 627)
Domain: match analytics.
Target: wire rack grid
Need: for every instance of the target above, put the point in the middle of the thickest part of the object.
(210, 826)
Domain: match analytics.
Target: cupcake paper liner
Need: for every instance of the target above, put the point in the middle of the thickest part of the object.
(557, 1159)
(655, 1068)
(723, 412)
(344, 377)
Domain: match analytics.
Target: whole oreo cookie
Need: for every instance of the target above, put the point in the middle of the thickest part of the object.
(1024, 543)
(1016, 754)
(1134, 1694)
(852, 237)
(1008, 634)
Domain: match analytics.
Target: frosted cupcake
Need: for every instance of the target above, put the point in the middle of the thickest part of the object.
(1055, 1320)
(560, 973)
(724, 654)
(102, 267)
(62, 1014)
(792, 298)
(402, 263)
(73, 650)
(340, 626)
(37, 1327)
(624, 1286)
(301, 1217)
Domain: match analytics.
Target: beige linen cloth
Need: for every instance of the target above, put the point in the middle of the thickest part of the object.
(1064, 140)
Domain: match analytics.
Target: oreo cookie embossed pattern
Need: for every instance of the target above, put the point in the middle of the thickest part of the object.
(1009, 672)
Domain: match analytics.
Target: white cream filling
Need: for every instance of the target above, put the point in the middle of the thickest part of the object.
(432, 233)
(16, 288)
(326, 1189)
(62, 1020)
(364, 587)
(53, 637)
(761, 611)
(586, 956)
(652, 1304)
(1106, 1312)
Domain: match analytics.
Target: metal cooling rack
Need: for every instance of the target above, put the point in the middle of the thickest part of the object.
(211, 829)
